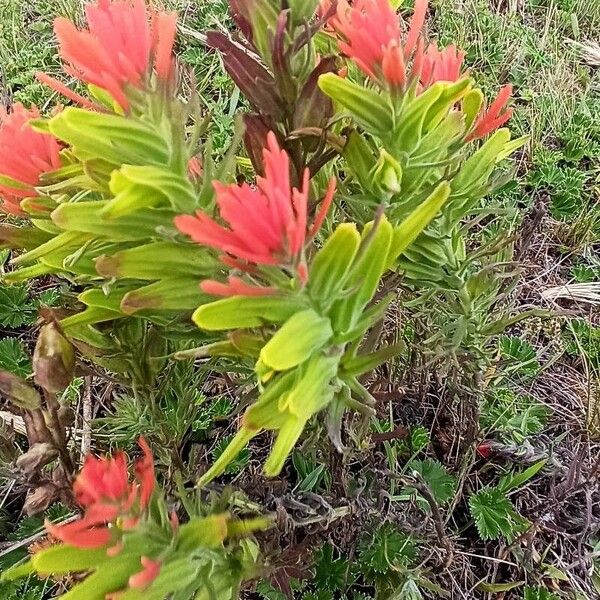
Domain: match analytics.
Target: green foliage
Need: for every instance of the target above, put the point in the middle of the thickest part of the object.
(583, 338)
(330, 573)
(513, 416)
(538, 593)
(583, 273)
(385, 549)
(521, 354)
(238, 463)
(16, 308)
(494, 515)
(312, 475)
(564, 184)
(441, 484)
(14, 357)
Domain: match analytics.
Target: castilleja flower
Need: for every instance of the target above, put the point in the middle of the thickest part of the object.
(105, 493)
(376, 38)
(267, 225)
(150, 569)
(123, 41)
(494, 116)
(25, 155)
(441, 65)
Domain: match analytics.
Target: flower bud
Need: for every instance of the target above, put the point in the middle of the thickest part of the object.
(387, 173)
(53, 359)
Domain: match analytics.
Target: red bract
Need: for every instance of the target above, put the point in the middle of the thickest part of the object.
(441, 65)
(494, 116)
(103, 489)
(25, 155)
(144, 578)
(124, 38)
(375, 38)
(267, 225)
(235, 287)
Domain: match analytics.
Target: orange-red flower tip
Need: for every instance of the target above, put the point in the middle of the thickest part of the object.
(144, 472)
(104, 490)
(149, 572)
(25, 155)
(374, 37)
(494, 116)
(123, 39)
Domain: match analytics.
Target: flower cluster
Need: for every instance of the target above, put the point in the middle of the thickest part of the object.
(106, 494)
(267, 225)
(374, 37)
(25, 155)
(395, 56)
(123, 41)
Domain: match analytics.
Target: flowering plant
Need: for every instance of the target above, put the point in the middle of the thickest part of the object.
(370, 145)
(131, 547)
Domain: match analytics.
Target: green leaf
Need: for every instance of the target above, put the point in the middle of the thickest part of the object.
(158, 260)
(110, 137)
(298, 338)
(176, 294)
(205, 532)
(246, 311)
(238, 463)
(87, 217)
(365, 275)
(136, 187)
(369, 108)
(477, 168)
(59, 560)
(360, 159)
(357, 365)
(330, 572)
(538, 593)
(385, 549)
(331, 264)
(111, 576)
(516, 480)
(471, 105)
(408, 231)
(173, 576)
(520, 352)
(439, 481)
(16, 308)
(495, 588)
(495, 515)
(14, 357)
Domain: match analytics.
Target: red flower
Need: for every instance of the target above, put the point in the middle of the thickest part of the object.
(375, 38)
(25, 155)
(441, 65)
(144, 578)
(118, 49)
(267, 225)
(103, 489)
(494, 116)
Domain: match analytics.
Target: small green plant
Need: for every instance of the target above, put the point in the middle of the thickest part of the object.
(521, 355)
(14, 357)
(511, 416)
(495, 516)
